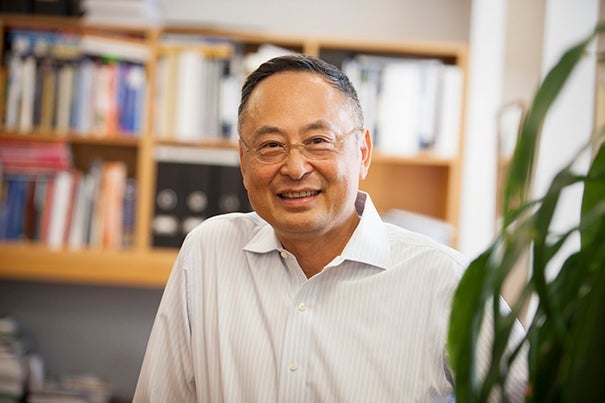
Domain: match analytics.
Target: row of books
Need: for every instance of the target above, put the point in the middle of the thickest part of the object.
(196, 97)
(409, 104)
(198, 86)
(23, 376)
(191, 186)
(61, 83)
(13, 361)
(70, 208)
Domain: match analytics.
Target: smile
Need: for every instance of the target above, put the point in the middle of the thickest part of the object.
(298, 195)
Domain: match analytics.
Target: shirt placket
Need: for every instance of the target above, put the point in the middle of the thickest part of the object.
(297, 343)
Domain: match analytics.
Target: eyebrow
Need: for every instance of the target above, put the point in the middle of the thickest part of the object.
(318, 124)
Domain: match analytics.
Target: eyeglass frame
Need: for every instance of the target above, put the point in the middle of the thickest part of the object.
(288, 147)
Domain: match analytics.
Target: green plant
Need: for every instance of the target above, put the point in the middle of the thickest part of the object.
(566, 336)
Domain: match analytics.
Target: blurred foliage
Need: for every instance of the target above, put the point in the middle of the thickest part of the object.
(565, 336)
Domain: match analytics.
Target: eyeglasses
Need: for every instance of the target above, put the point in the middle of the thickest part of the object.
(315, 147)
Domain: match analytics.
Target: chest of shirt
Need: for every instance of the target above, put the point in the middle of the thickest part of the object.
(350, 321)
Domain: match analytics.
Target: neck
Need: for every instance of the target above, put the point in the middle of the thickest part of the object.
(314, 252)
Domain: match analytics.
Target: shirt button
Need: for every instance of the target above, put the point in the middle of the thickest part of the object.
(293, 367)
(302, 307)
(284, 254)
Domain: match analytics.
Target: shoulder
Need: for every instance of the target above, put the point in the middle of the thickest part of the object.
(407, 245)
(226, 229)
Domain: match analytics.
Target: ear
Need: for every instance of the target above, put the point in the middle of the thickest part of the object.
(366, 153)
(242, 164)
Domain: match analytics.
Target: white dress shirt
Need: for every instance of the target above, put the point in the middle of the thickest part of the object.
(240, 322)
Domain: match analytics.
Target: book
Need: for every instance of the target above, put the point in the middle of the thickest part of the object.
(13, 208)
(13, 92)
(132, 88)
(398, 109)
(190, 100)
(48, 97)
(169, 205)
(29, 157)
(62, 197)
(76, 233)
(13, 368)
(93, 225)
(129, 215)
(115, 48)
(83, 97)
(109, 209)
(28, 94)
(450, 112)
(365, 76)
(65, 90)
(164, 96)
(229, 97)
(197, 91)
(191, 186)
(408, 102)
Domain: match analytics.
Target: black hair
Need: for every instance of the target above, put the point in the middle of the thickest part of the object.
(300, 63)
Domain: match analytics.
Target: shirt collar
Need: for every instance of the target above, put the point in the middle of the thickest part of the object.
(369, 243)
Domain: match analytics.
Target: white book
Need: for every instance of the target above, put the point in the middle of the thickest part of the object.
(64, 98)
(28, 77)
(429, 99)
(446, 142)
(60, 210)
(121, 49)
(366, 85)
(397, 115)
(14, 91)
(189, 95)
(161, 102)
(93, 224)
(103, 99)
(84, 95)
(229, 101)
(77, 232)
(211, 94)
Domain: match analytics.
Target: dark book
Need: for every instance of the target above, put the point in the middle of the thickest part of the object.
(16, 6)
(55, 7)
(189, 193)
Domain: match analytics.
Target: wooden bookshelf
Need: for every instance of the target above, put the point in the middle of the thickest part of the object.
(425, 183)
(29, 261)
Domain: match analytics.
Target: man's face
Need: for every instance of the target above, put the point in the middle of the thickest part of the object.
(301, 197)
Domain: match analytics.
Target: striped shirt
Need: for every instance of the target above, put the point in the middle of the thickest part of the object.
(240, 322)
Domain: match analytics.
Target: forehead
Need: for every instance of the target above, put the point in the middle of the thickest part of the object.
(295, 98)
(290, 85)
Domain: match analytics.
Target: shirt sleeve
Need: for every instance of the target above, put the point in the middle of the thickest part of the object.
(167, 370)
(517, 377)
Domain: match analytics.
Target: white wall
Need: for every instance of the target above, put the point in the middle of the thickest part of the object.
(569, 124)
(484, 97)
(430, 19)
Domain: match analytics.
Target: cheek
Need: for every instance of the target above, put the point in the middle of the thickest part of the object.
(256, 178)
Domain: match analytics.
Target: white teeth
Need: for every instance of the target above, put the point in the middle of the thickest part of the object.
(295, 195)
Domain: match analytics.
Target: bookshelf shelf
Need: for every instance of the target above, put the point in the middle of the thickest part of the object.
(31, 261)
(426, 182)
(424, 158)
(51, 137)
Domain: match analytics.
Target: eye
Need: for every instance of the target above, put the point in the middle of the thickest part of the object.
(319, 142)
(269, 146)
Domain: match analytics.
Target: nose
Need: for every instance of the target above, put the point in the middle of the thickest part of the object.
(295, 165)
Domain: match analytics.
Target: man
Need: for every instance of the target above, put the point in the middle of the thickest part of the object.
(311, 298)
